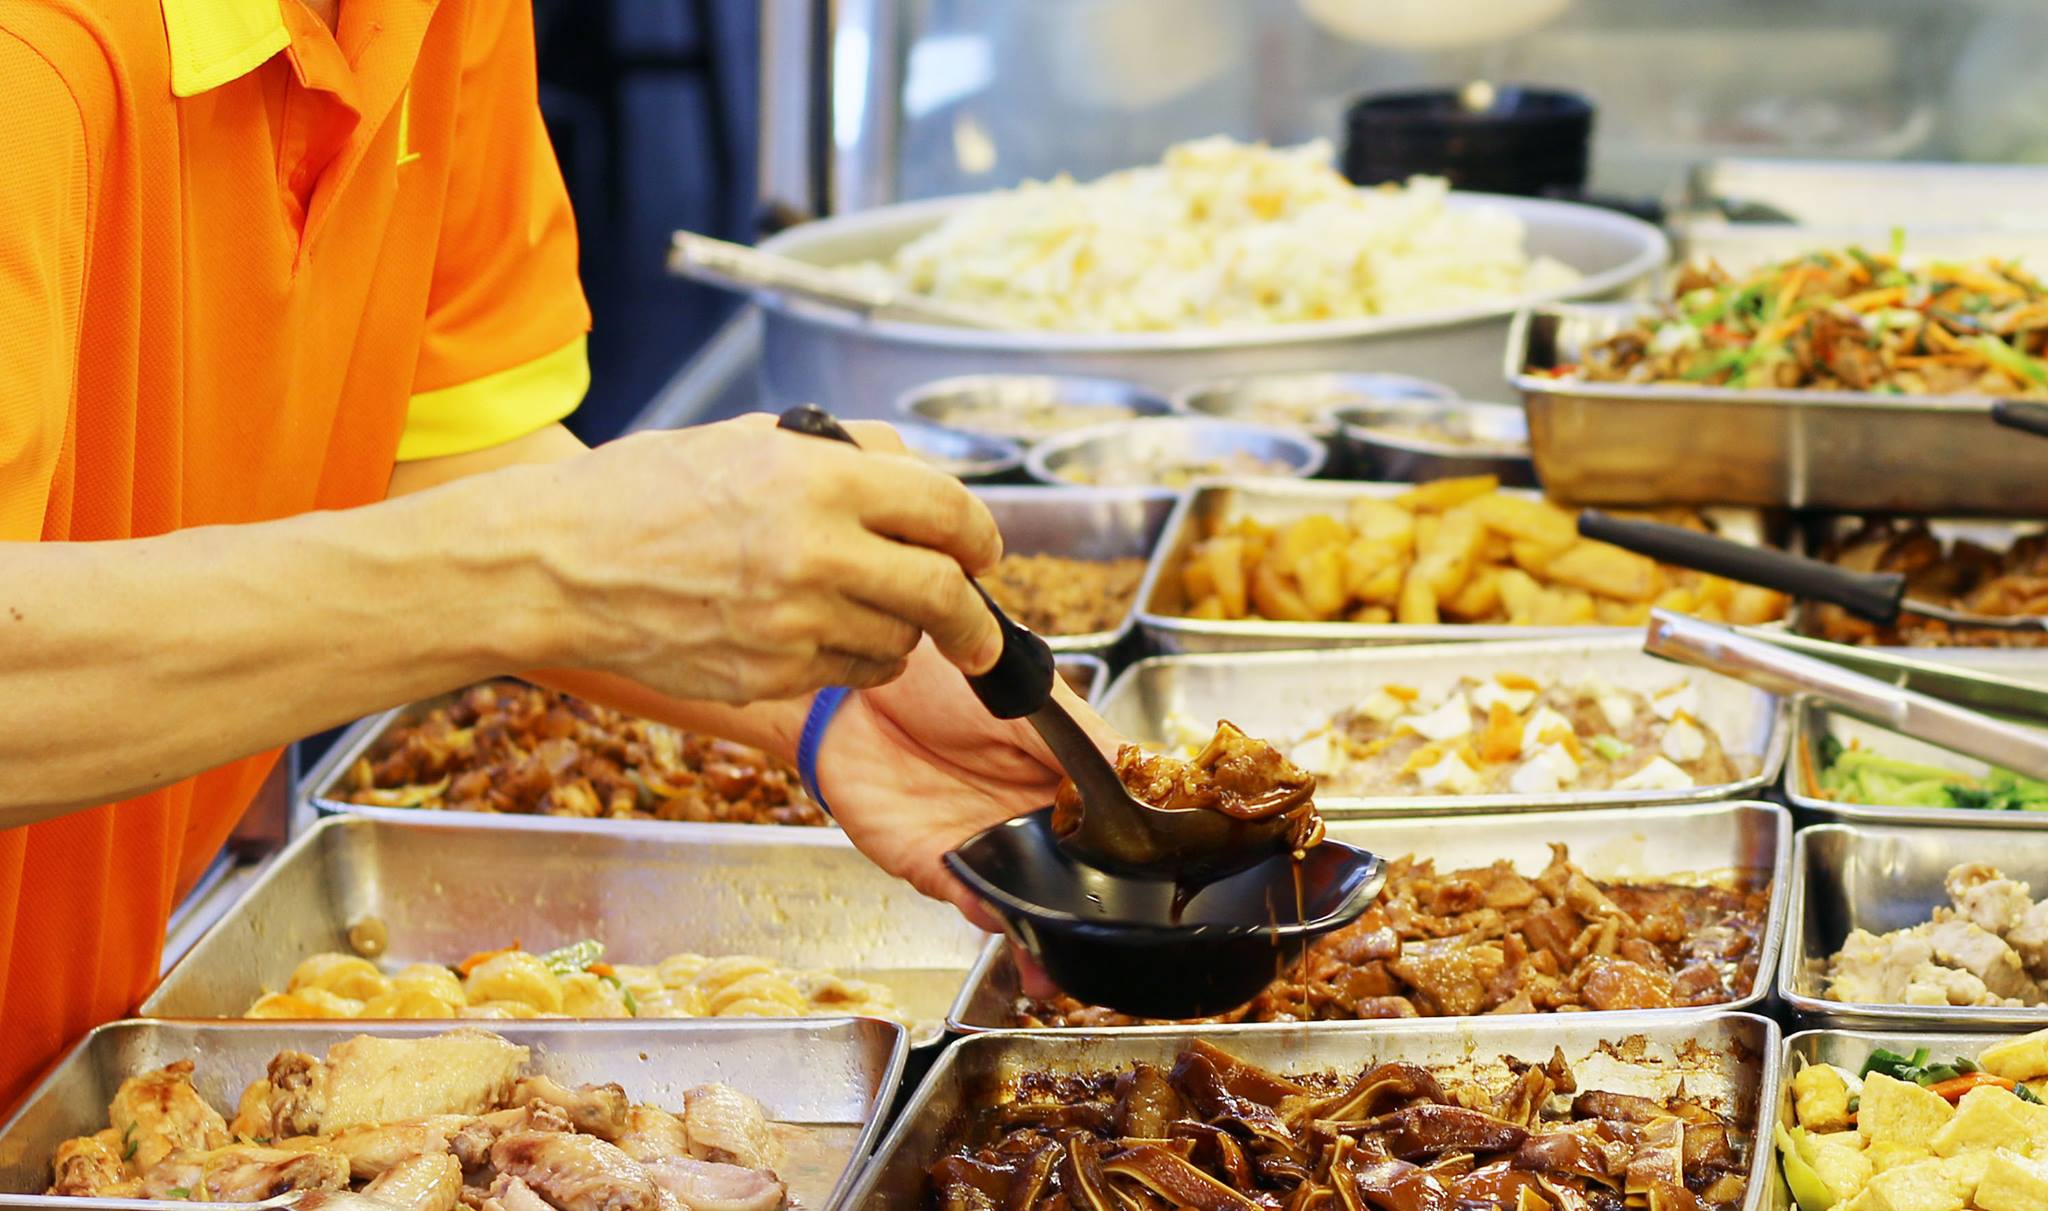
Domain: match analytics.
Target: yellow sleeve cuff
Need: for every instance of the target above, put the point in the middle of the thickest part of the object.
(496, 408)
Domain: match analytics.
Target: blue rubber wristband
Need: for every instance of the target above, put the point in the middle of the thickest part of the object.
(823, 708)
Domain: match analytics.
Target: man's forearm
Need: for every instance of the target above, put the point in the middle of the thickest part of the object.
(128, 665)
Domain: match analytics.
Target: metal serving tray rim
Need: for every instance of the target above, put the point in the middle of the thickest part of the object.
(1803, 715)
(1791, 956)
(1777, 921)
(1473, 1030)
(1771, 761)
(861, 1153)
(1090, 643)
(1526, 381)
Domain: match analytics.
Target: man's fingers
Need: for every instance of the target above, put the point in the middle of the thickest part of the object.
(861, 630)
(929, 508)
(844, 668)
(875, 435)
(929, 591)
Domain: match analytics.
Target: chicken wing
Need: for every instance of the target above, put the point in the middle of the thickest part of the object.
(365, 1081)
(90, 1167)
(510, 1194)
(243, 1173)
(727, 1125)
(372, 1150)
(711, 1186)
(653, 1134)
(424, 1182)
(159, 1112)
(599, 1110)
(576, 1172)
(252, 1114)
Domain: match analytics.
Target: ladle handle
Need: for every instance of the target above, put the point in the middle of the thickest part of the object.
(1872, 595)
(2022, 415)
(1020, 682)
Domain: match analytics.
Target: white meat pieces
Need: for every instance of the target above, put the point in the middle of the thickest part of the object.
(1990, 947)
(366, 1081)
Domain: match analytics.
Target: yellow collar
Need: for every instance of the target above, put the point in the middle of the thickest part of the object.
(215, 41)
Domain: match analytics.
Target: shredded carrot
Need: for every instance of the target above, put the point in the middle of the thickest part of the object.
(602, 969)
(1956, 1087)
(1871, 300)
(1517, 681)
(1503, 739)
(482, 957)
(1406, 693)
(1424, 757)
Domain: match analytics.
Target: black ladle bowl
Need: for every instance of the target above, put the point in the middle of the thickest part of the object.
(1154, 947)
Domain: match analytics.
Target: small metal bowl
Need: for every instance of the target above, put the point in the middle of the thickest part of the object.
(1172, 452)
(1415, 442)
(1301, 401)
(971, 456)
(1027, 408)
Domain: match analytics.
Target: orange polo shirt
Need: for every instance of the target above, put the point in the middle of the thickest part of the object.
(246, 264)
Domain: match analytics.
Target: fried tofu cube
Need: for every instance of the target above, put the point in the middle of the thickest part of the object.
(1928, 1185)
(1987, 1118)
(1900, 1112)
(1527, 519)
(1820, 1098)
(1891, 1154)
(2012, 1183)
(1383, 521)
(1444, 494)
(2019, 1059)
(1839, 1160)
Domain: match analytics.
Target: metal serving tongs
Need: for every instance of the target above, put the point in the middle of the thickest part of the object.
(1930, 702)
(1116, 831)
(737, 267)
(1879, 597)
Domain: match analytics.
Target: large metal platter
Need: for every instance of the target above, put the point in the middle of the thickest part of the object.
(1812, 723)
(1082, 523)
(1628, 443)
(834, 1077)
(443, 893)
(1847, 1049)
(855, 366)
(1728, 1060)
(1284, 694)
(1279, 502)
(1880, 878)
(1750, 841)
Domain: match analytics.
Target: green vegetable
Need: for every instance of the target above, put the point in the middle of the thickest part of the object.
(130, 1143)
(1894, 277)
(1915, 1068)
(1795, 1160)
(2006, 357)
(1610, 748)
(2025, 1094)
(178, 1192)
(574, 957)
(625, 994)
(1704, 306)
(1855, 775)
(1898, 242)
(1869, 263)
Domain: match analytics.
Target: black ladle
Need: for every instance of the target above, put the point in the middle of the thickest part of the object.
(2023, 415)
(1878, 597)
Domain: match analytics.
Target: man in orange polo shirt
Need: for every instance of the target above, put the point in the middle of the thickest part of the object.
(265, 263)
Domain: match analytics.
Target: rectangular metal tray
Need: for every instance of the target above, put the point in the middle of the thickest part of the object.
(1883, 877)
(1087, 675)
(1848, 1049)
(1730, 1060)
(1082, 523)
(1922, 194)
(834, 1076)
(1278, 502)
(1617, 843)
(1627, 443)
(1812, 722)
(443, 893)
(1284, 694)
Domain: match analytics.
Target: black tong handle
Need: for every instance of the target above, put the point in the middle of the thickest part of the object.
(1871, 595)
(1020, 683)
(2022, 415)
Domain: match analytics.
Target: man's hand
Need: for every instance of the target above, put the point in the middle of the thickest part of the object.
(917, 766)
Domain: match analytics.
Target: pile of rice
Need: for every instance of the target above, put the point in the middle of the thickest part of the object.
(1221, 234)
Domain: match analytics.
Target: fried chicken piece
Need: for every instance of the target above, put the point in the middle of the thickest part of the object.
(599, 1110)
(373, 1150)
(159, 1112)
(510, 1194)
(727, 1125)
(576, 1172)
(252, 1113)
(90, 1166)
(653, 1134)
(366, 1081)
(244, 1173)
(711, 1186)
(425, 1182)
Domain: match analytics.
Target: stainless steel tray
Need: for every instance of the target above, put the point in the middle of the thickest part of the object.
(1082, 523)
(833, 1076)
(1848, 1049)
(1754, 839)
(1729, 1060)
(1880, 878)
(1626, 443)
(1284, 694)
(444, 892)
(1278, 502)
(1812, 722)
(1817, 193)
